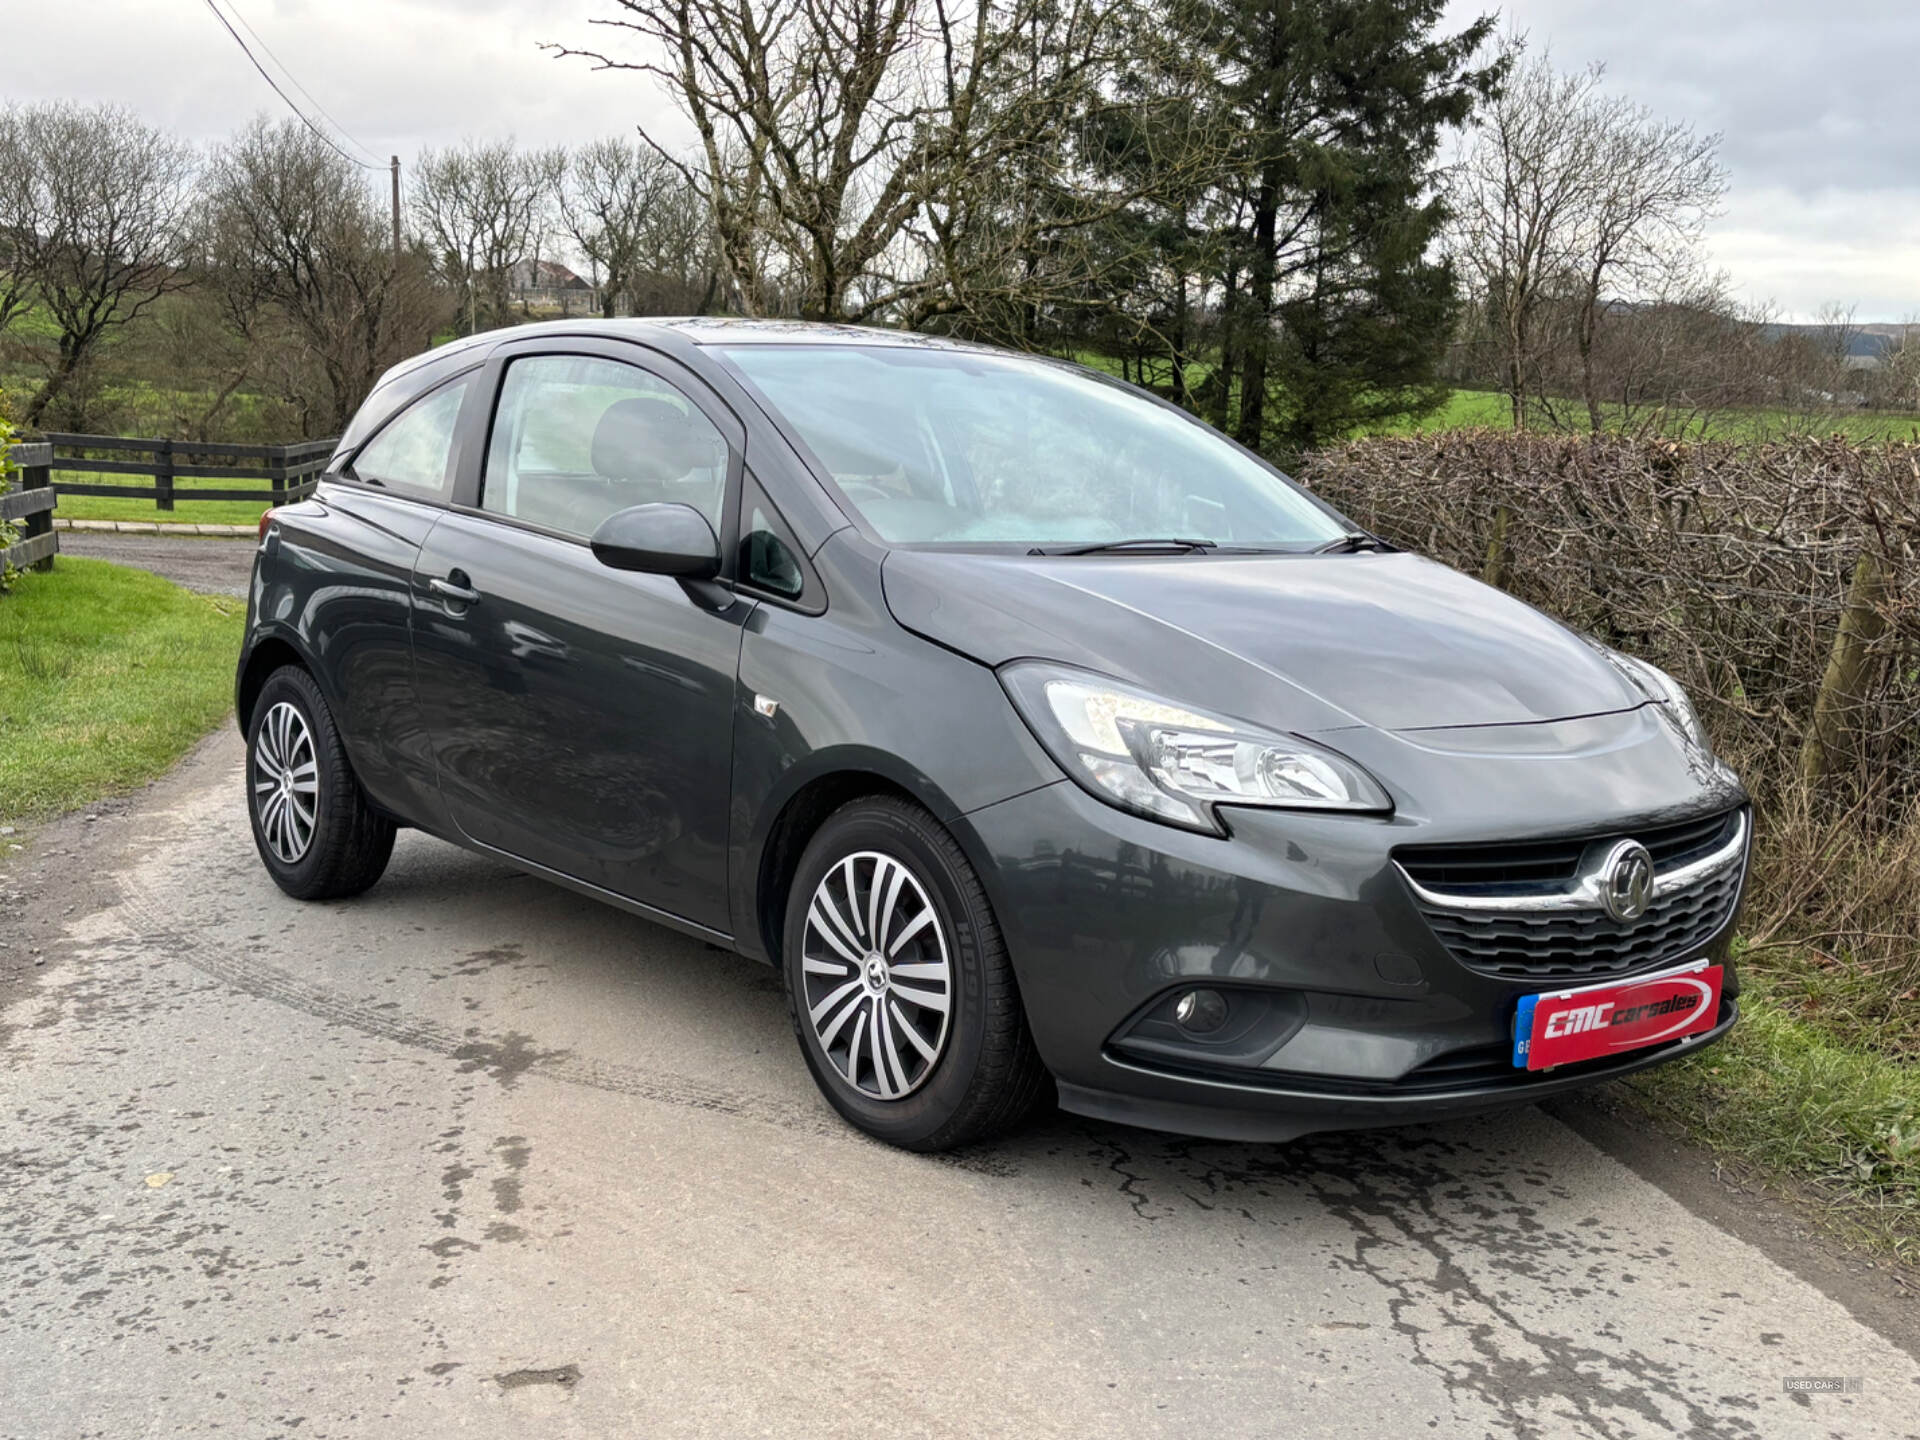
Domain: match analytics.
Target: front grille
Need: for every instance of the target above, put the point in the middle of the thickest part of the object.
(1578, 944)
(1542, 866)
(1545, 941)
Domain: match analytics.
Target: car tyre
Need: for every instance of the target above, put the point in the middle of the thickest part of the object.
(967, 1072)
(313, 827)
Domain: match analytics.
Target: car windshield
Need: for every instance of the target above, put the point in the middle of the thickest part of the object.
(958, 447)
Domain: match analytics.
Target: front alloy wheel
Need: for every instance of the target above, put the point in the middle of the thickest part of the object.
(902, 994)
(878, 981)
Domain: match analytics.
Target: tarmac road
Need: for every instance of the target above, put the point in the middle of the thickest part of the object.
(474, 1155)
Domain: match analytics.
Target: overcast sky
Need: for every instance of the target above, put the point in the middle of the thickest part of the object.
(1817, 99)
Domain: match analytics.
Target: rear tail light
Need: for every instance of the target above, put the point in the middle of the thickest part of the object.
(266, 518)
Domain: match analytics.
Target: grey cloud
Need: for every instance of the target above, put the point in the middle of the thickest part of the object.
(1809, 96)
(1819, 112)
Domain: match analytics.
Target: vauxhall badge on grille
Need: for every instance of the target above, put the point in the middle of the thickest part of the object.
(1626, 881)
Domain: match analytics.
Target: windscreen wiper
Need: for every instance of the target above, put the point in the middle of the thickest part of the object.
(1347, 544)
(1182, 546)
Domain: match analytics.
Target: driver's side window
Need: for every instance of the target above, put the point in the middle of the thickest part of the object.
(576, 438)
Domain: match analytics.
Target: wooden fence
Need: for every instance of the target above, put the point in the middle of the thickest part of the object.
(33, 504)
(283, 473)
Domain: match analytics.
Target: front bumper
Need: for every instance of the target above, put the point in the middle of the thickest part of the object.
(1106, 916)
(1220, 1109)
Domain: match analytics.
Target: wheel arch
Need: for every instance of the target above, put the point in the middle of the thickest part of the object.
(798, 806)
(267, 654)
(798, 819)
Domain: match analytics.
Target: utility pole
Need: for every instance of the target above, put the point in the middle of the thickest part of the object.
(396, 207)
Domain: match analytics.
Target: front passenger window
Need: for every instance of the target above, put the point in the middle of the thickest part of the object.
(576, 438)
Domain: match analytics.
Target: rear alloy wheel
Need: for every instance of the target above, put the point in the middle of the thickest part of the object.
(903, 999)
(286, 783)
(315, 831)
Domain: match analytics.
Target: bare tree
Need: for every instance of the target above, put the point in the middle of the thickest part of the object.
(1902, 368)
(619, 201)
(1812, 371)
(1671, 361)
(299, 252)
(1653, 186)
(483, 209)
(826, 127)
(1577, 208)
(96, 225)
(1518, 198)
(17, 184)
(682, 272)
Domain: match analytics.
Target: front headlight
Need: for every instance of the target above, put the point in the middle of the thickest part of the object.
(1664, 690)
(1163, 760)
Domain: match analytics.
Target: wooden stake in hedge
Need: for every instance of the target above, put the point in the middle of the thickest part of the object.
(1862, 623)
(1494, 569)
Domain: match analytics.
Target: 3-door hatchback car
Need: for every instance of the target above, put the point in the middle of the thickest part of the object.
(1042, 737)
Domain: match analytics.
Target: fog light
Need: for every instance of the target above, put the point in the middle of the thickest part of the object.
(1200, 1012)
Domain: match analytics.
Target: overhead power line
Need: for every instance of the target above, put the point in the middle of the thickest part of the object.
(325, 114)
(291, 103)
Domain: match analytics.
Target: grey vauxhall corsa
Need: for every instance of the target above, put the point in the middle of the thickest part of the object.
(1044, 739)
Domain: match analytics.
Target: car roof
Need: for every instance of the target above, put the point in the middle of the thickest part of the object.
(670, 333)
(702, 330)
(718, 330)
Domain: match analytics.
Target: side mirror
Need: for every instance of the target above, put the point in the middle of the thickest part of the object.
(671, 540)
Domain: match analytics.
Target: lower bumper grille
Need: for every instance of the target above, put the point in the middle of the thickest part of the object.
(1483, 1066)
(1477, 1068)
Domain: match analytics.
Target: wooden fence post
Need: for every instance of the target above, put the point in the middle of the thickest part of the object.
(163, 475)
(1861, 624)
(32, 505)
(40, 477)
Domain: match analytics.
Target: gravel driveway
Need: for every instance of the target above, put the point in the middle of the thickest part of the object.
(218, 566)
(474, 1154)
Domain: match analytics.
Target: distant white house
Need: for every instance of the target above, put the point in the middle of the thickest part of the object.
(549, 285)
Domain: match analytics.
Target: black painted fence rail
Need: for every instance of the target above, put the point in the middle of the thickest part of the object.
(285, 473)
(32, 504)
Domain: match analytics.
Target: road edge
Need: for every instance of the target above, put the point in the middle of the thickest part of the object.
(1877, 1291)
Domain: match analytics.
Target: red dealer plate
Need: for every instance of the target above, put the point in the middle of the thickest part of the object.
(1563, 1026)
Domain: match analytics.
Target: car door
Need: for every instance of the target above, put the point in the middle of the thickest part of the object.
(344, 573)
(581, 717)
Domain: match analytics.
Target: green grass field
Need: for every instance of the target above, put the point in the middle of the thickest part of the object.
(184, 512)
(107, 675)
(1474, 409)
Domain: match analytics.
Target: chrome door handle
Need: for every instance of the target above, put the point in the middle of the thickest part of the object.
(448, 590)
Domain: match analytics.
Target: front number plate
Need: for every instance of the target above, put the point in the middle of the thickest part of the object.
(1563, 1026)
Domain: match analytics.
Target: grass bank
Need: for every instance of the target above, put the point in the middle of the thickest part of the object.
(107, 676)
(1828, 1115)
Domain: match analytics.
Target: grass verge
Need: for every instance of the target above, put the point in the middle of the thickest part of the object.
(107, 676)
(1797, 1104)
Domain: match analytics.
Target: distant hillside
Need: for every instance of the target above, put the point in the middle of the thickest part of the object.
(1870, 342)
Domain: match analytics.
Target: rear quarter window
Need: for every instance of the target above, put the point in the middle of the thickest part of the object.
(413, 453)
